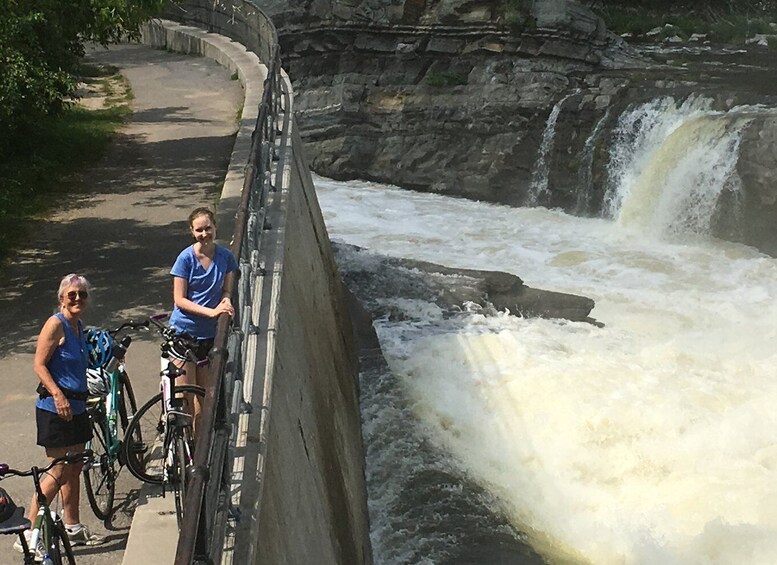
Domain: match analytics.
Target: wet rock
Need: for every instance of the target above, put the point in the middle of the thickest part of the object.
(382, 283)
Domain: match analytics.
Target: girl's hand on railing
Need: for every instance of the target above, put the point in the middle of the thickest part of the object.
(225, 306)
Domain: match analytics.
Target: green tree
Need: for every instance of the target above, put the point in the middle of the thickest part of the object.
(41, 42)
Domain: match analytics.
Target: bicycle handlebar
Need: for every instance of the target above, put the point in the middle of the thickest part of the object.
(67, 458)
(172, 337)
(129, 324)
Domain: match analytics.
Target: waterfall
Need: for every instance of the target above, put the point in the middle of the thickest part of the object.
(539, 181)
(669, 164)
(585, 172)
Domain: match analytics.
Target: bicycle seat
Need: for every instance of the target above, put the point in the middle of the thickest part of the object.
(12, 519)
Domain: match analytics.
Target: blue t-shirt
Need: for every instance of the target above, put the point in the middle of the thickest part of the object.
(68, 367)
(204, 287)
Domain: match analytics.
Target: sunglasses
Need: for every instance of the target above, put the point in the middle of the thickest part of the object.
(82, 294)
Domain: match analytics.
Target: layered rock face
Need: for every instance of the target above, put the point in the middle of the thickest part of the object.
(455, 97)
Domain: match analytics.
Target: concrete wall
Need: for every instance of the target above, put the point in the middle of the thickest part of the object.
(299, 465)
(313, 507)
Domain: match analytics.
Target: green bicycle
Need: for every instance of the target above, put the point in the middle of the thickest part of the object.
(111, 406)
(49, 542)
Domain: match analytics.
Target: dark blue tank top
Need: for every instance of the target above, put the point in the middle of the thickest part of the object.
(68, 366)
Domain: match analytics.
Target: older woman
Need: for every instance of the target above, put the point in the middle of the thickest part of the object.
(63, 424)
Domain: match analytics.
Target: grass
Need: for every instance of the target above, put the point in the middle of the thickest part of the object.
(43, 165)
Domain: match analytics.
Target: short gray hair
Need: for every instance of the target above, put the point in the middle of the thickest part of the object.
(72, 280)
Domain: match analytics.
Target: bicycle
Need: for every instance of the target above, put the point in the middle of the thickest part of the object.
(48, 527)
(111, 405)
(161, 447)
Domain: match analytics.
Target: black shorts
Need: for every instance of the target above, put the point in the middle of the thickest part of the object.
(200, 348)
(53, 431)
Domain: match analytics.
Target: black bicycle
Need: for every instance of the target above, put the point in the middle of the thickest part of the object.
(48, 531)
(161, 445)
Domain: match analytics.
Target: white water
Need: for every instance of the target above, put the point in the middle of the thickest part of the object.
(539, 182)
(651, 440)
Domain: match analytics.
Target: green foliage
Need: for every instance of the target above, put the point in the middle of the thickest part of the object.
(445, 78)
(37, 170)
(41, 42)
(722, 20)
(36, 173)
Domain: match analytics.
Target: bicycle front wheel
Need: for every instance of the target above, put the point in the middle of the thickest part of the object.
(56, 542)
(62, 542)
(100, 473)
(144, 448)
(182, 460)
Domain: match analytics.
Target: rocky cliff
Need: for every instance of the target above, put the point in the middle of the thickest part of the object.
(455, 97)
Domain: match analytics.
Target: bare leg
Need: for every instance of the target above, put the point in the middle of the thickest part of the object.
(191, 405)
(51, 482)
(203, 379)
(71, 489)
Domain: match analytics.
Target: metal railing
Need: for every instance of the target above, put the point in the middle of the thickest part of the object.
(207, 507)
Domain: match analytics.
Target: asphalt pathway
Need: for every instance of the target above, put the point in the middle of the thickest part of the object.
(123, 233)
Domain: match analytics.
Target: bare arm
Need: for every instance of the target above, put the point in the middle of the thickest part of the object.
(49, 338)
(180, 286)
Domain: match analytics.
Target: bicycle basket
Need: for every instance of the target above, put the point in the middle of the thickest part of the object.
(99, 344)
(97, 382)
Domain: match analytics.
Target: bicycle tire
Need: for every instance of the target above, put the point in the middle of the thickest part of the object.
(126, 397)
(62, 544)
(144, 455)
(100, 475)
(128, 407)
(182, 460)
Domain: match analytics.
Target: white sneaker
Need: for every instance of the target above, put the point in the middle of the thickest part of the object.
(82, 536)
(39, 551)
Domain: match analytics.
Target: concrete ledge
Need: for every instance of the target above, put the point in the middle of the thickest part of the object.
(153, 536)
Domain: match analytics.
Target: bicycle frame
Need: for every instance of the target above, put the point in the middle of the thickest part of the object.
(47, 522)
(105, 410)
(174, 416)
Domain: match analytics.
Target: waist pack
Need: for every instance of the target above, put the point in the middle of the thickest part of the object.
(70, 394)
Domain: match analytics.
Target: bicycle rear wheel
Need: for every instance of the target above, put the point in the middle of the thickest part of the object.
(100, 474)
(144, 450)
(183, 457)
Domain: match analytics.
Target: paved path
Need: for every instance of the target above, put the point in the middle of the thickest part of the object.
(122, 233)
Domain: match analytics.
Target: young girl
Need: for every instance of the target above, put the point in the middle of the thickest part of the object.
(201, 273)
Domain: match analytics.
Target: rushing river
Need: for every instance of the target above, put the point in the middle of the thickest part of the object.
(650, 440)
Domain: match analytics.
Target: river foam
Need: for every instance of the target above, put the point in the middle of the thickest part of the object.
(651, 440)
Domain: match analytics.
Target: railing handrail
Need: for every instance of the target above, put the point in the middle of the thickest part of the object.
(198, 540)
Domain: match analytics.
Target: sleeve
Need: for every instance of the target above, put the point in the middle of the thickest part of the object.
(182, 266)
(230, 263)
